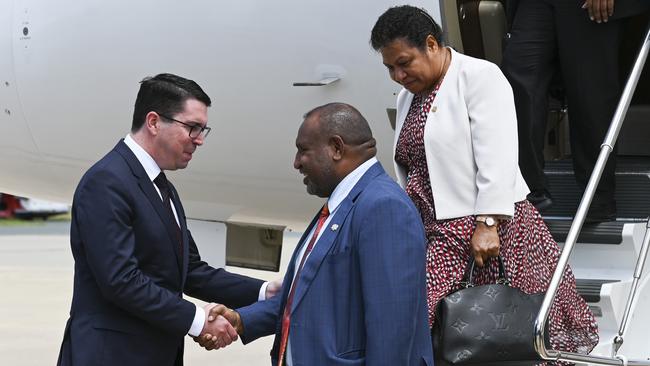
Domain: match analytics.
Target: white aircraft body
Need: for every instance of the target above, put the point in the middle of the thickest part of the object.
(69, 73)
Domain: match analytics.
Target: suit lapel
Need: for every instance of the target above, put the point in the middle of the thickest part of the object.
(292, 263)
(329, 235)
(288, 276)
(149, 191)
(321, 248)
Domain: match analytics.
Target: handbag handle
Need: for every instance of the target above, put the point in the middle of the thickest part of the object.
(468, 280)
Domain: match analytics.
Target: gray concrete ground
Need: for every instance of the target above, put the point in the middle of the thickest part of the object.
(36, 270)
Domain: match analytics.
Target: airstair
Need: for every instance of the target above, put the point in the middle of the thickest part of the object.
(607, 258)
(605, 254)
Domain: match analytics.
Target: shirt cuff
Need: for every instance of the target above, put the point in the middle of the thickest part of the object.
(197, 324)
(262, 295)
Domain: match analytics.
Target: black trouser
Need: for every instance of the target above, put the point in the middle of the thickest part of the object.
(546, 33)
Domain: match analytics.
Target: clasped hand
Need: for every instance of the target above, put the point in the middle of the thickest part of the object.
(221, 328)
(222, 325)
(485, 244)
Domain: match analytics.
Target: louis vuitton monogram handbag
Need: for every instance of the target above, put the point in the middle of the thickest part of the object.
(486, 325)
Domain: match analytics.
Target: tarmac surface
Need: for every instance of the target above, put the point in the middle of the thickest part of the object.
(36, 273)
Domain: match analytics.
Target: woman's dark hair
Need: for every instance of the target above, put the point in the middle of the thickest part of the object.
(407, 22)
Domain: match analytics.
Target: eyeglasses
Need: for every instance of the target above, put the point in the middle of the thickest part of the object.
(196, 129)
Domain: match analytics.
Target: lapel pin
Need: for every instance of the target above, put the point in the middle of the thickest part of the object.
(335, 227)
(434, 108)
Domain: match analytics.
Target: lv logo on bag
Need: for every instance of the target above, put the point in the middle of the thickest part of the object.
(500, 321)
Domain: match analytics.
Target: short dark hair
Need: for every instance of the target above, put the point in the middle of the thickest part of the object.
(165, 94)
(404, 22)
(343, 120)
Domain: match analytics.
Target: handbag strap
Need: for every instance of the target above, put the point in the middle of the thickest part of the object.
(468, 280)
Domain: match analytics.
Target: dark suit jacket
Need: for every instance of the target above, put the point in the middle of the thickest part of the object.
(127, 306)
(622, 8)
(628, 8)
(361, 295)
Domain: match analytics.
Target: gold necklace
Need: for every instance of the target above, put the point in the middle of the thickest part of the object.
(442, 67)
(442, 75)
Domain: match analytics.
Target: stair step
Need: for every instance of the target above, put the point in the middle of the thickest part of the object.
(600, 233)
(589, 289)
(632, 195)
(624, 165)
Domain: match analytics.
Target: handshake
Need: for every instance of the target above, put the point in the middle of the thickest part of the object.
(221, 328)
(222, 325)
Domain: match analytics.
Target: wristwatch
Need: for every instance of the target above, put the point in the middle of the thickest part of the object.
(489, 221)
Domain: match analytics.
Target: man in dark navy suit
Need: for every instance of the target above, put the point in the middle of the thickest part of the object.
(134, 256)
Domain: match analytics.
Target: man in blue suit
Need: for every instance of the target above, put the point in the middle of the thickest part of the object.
(134, 256)
(359, 297)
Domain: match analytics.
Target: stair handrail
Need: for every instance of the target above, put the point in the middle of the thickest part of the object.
(605, 149)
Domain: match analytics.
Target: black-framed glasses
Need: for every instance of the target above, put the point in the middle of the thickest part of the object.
(196, 129)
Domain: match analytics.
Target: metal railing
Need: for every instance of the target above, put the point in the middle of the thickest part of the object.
(605, 149)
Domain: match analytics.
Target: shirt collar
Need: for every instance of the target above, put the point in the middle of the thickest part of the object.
(143, 157)
(345, 186)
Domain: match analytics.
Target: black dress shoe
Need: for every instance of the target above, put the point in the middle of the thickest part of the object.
(601, 212)
(541, 199)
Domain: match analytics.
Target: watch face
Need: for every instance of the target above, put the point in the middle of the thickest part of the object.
(489, 221)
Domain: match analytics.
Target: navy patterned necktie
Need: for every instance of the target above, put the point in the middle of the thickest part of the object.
(165, 191)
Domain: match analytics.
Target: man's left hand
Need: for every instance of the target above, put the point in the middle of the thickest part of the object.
(599, 10)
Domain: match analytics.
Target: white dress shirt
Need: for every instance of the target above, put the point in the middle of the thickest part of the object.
(152, 169)
(333, 202)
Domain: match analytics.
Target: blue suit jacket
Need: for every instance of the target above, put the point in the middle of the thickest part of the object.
(360, 298)
(127, 306)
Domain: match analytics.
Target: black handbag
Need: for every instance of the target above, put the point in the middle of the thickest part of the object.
(486, 325)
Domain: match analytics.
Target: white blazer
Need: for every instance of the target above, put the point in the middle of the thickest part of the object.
(470, 141)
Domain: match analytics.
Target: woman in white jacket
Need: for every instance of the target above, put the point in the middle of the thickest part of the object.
(455, 154)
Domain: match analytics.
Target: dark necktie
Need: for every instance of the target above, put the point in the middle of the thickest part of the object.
(165, 191)
(286, 317)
